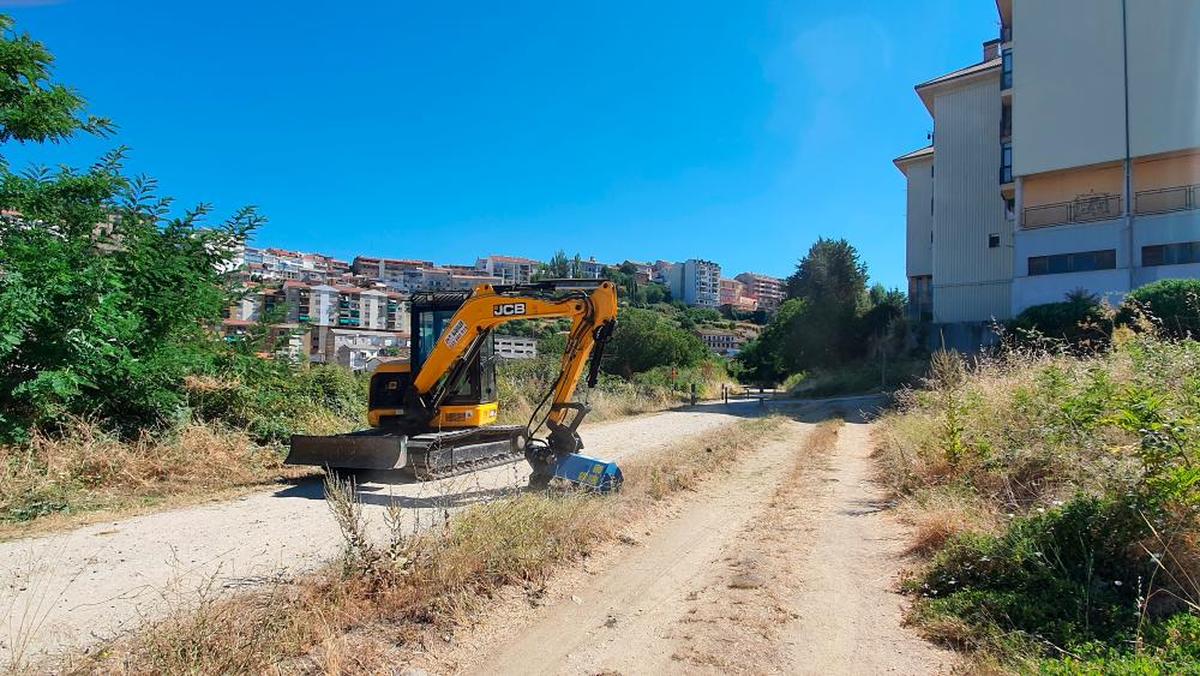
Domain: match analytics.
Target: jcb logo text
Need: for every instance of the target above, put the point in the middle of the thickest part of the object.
(508, 309)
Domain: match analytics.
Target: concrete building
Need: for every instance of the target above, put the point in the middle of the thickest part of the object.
(354, 349)
(514, 347)
(768, 292)
(387, 270)
(510, 269)
(736, 295)
(721, 341)
(695, 282)
(591, 268)
(1064, 159)
(269, 265)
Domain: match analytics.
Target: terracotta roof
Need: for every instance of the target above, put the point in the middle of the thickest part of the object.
(514, 259)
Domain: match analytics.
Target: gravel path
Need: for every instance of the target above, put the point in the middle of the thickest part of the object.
(68, 590)
(787, 565)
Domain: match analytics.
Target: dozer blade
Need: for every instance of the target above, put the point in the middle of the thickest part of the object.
(350, 451)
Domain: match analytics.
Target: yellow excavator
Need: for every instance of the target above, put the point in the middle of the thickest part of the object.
(436, 414)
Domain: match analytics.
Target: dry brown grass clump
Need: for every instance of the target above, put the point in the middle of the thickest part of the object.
(83, 469)
(351, 617)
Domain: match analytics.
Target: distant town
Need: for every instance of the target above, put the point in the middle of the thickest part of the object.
(325, 310)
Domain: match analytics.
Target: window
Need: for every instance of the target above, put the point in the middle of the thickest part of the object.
(1010, 209)
(994, 241)
(1006, 69)
(1073, 262)
(1179, 253)
(1006, 163)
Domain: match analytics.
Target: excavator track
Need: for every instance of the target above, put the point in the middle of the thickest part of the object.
(437, 455)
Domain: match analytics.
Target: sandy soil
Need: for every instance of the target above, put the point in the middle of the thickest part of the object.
(71, 589)
(785, 565)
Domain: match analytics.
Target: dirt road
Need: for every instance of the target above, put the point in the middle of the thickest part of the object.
(786, 565)
(71, 589)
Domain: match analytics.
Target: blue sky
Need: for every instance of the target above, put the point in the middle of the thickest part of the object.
(734, 131)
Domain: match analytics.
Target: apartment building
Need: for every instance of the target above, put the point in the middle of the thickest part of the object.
(767, 292)
(695, 282)
(736, 295)
(510, 269)
(266, 265)
(514, 347)
(386, 270)
(1064, 159)
(721, 341)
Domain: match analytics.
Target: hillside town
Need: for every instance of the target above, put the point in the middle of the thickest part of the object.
(324, 310)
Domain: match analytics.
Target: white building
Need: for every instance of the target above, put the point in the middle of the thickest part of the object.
(510, 269)
(1064, 159)
(515, 347)
(695, 282)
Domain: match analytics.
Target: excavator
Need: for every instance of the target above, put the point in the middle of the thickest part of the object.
(436, 414)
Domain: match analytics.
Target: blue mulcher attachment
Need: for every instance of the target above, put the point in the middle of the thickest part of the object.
(599, 475)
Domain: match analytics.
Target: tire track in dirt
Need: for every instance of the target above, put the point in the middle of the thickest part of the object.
(788, 564)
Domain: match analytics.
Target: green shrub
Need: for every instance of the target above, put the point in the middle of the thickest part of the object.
(1078, 320)
(1173, 304)
(1067, 576)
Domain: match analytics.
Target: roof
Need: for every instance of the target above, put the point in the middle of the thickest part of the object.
(919, 154)
(980, 68)
(513, 259)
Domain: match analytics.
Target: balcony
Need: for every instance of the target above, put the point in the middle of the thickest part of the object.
(1084, 209)
(1167, 200)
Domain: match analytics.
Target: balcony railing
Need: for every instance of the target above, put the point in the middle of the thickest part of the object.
(1166, 200)
(1081, 210)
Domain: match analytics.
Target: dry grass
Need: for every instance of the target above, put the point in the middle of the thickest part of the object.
(1052, 450)
(353, 616)
(67, 476)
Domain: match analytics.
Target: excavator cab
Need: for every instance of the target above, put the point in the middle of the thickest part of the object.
(471, 397)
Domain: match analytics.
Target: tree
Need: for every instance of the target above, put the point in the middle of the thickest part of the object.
(32, 108)
(645, 339)
(832, 282)
(107, 302)
(830, 274)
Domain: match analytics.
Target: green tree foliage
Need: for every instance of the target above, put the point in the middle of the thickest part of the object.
(633, 293)
(1172, 303)
(106, 300)
(773, 354)
(832, 282)
(645, 339)
(32, 108)
(830, 318)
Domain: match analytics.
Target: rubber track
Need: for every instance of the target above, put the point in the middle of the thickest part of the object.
(429, 474)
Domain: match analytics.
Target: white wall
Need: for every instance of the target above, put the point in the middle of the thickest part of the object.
(919, 255)
(1164, 75)
(971, 302)
(1068, 98)
(967, 204)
